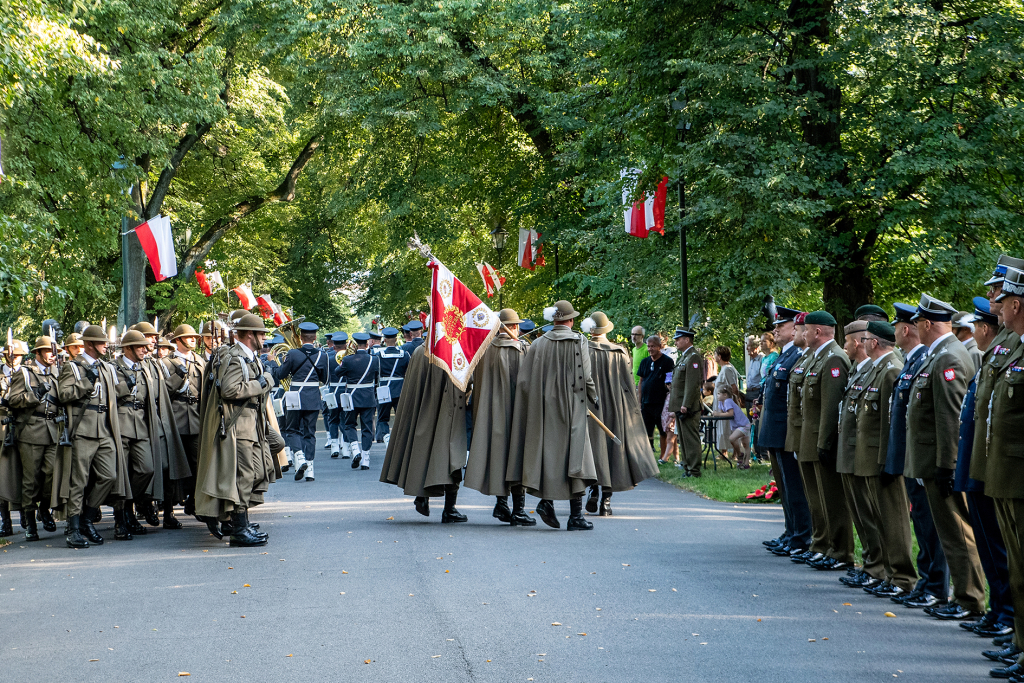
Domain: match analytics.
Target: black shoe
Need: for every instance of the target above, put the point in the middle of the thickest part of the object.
(73, 536)
(606, 506)
(577, 522)
(23, 519)
(244, 537)
(422, 504)
(988, 620)
(1014, 669)
(1003, 641)
(121, 530)
(773, 542)
(190, 507)
(519, 516)
(785, 551)
(356, 460)
(6, 528)
(1008, 654)
(804, 556)
(995, 630)
(132, 522)
(927, 601)
(31, 532)
(449, 515)
(592, 500)
(855, 581)
(170, 521)
(954, 611)
(47, 519)
(96, 516)
(149, 512)
(887, 590)
(501, 511)
(821, 562)
(85, 525)
(546, 512)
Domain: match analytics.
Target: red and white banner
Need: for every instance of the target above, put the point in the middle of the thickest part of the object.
(269, 309)
(244, 294)
(209, 282)
(492, 278)
(461, 326)
(647, 214)
(158, 243)
(530, 249)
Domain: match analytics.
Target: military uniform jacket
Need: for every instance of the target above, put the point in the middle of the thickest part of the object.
(961, 478)
(976, 354)
(10, 461)
(896, 453)
(307, 366)
(794, 418)
(360, 372)
(825, 380)
(184, 384)
(687, 378)
(771, 431)
(36, 420)
(994, 361)
(933, 424)
(1005, 431)
(393, 363)
(136, 401)
(411, 346)
(872, 430)
(337, 382)
(847, 437)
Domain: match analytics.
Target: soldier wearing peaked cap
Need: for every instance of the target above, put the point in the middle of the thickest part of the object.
(932, 434)
(184, 387)
(307, 368)
(685, 401)
(963, 328)
(360, 371)
(415, 329)
(334, 417)
(393, 363)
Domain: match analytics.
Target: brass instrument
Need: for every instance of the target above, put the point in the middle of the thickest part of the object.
(290, 331)
(350, 348)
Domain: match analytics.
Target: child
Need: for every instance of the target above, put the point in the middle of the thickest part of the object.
(668, 423)
(739, 432)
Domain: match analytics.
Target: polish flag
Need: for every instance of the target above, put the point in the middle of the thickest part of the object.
(267, 306)
(158, 243)
(244, 294)
(647, 214)
(530, 249)
(492, 278)
(209, 282)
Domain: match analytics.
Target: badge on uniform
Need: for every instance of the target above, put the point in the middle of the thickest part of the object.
(835, 372)
(949, 375)
(695, 366)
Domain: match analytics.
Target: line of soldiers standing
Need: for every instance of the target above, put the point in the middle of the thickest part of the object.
(917, 422)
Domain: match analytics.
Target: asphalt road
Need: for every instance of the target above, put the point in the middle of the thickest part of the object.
(356, 586)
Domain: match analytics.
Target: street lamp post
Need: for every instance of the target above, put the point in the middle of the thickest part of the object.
(681, 128)
(498, 237)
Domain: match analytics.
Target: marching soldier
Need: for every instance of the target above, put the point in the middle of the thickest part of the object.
(184, 384)
(73, 345)
(393, 363)
(307, 367)
(360, 372)
(10, 460)
(96, 473)
(375, 339)
(932, 434)
(684, 400)
(39, 422)
(335, 417)
(415, 330)
(235, 459)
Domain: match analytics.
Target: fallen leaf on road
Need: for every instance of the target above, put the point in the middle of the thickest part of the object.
(759, 618)
(245, 585)
(243, 616)
(824, 638)
(810, 640)
(290, 655)
(230, 567)
(389, 518)
(183, 673)
(344, 572)
(446, 571)
(260, 553)
(703, 643)
(555, 623)
(234, 592)
(674, 590)
(341, 593)
(206, 551)
(625, 565)
(434, 656)
(652, 590)
(694, 634)
(598, 609)
(581, 634)
(890, 614)
(488, 660)
(846, 604)
(410, 595)
(94, 660)
(367, 661)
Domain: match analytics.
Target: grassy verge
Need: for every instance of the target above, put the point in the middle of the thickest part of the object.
(728, 484)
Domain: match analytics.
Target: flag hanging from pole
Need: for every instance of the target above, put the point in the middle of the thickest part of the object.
(244, 294)
(269, 309)
(209, 282)
(461, 326)
(647, 214)
(530, 249)
(492, 278)
(158, 244)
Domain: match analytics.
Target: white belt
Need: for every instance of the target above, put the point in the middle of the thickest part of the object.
(303, 385)
(360, 386)
(391, 379)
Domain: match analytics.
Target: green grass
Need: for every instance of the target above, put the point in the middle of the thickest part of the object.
(728, 484)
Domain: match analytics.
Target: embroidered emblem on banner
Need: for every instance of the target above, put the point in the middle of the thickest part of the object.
(949, 375)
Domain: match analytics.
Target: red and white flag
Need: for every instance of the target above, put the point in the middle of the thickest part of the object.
(530, 249)
(647, 214)
(461, 327)
(267, 306)
(209, 282)
(158, 243)
(244, 294)
(492, 278)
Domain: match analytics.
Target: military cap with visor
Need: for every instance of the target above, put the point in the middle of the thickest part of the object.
(307, 326)
(870, 309)
(389, 332)
(361, 337)
(1002, 264)
(339, 337)
(682, 332)
(983, 312)
(904, 312)
(1013, 283)
(784, 315)
(936, 310)
(414, 325)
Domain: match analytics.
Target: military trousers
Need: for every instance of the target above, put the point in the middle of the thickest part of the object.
(992, 553)
(384, 419)
(780, 484)
(688, 429)
(36, 474)
(246, 468)
(794, 496)
(931, 561)
(1010, 512)
(141, 470)
(93, 467)
(892, 511)
(819, 522)
(952, 523)
(867, 521)
(332, 422)
(365, 434)
(191, 444)
(300, 431)
(837, 512)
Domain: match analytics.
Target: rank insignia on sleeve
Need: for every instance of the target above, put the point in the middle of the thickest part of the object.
(835, 372)
(949, 375)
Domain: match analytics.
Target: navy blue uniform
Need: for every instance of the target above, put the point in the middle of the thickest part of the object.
(411, 346)
(307, 368)
(393, 363)
(931, 561)
(332, 416)
(360, 372)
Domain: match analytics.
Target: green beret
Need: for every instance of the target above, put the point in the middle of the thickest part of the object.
(882, 330)
(820, 318)
(870, 309)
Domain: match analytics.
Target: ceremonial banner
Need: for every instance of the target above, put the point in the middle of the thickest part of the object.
(461, 326)
(244, 294)
(647, 214)
(158, 243)
(492, 278)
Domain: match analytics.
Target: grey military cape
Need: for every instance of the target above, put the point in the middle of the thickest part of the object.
(551, 454)
(170, 450)
(427, 449)
(10, 462)
(494, 393)
(619, 467)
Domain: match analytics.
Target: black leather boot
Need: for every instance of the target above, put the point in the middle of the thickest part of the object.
(244, 536)
(131, 521)
(519, 516)
(31, 532)
(148, 509)
(86, 526)
(450, 515)
(24, 519)
(592, 500)
(6, 528)
(47, 519)
(96, 515)
(606, 503)
(73, 537)
(501, 511)
(170, 522)
(577, 522)
(546, 510)
(227, 529)
(122, 532)
(211, 524)
(422, 504)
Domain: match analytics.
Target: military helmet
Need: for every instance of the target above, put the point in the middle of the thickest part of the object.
(134, 337)
(144, 327)
(251, 323)
(74, 339)
(94, 333)
(43, 343)
(184, 331)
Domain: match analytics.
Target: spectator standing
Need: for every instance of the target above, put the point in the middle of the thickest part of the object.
(738, 427)
(636, 336)
(755, 363)
(668, 424)
(652, 372)
(729, 378)
(771, 353)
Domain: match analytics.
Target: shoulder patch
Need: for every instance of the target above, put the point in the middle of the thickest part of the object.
(835, 372)
(949, 374)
